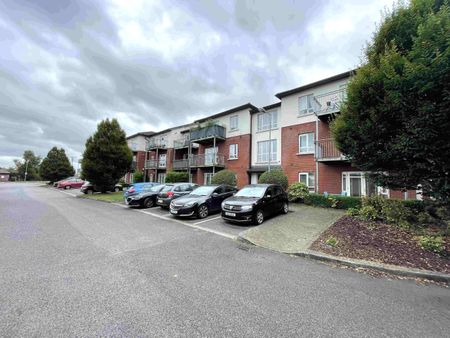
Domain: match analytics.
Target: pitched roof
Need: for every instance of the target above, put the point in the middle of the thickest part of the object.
(229, 111)
(142, 133)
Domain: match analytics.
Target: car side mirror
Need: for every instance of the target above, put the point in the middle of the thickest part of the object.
(268, 196)
(215, 194)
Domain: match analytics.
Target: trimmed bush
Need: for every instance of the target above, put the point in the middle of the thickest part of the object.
(224, 177)
(432, 243)
(177, 176)
(368, 213)
(389, 210)
(338, 202)
(138, 176)
(276, 176)
(297, 192)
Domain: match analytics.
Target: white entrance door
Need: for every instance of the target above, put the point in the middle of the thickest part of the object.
(162, 178)
(254, 179)
(210, 155)
(162, 161)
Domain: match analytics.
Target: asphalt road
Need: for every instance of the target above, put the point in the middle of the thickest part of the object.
(74, 267)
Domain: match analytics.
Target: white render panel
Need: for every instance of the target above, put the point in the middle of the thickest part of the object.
(243, 126)
(258, 136)
(137, 143)
(290, 104)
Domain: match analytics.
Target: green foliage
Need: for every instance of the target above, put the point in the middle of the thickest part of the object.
(338, 202)
(107, 156)
(177, 176)
(368, 213)
(432, 243)
(30, 163)
(388, 210)
(353, 212)
(332, 241)
(297, 192)
(396, 120)
(138, 176)
(224, 177)
(56, 166)
(276, 176)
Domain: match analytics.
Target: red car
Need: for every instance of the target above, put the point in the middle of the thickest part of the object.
(71, 183)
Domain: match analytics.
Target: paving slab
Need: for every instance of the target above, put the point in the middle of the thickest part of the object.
(293, 232)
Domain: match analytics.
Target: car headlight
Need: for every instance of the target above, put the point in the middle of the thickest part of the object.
(222, 205)
(189, 204)
(247, 207)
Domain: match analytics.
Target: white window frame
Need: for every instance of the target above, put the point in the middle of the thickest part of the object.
(311, 186)
(263, 157)
(234, 122)
(161, 178)
(309, 149)
(268, 120)
(207, 177)
(308, 108)
(233, 153)
(162, 160)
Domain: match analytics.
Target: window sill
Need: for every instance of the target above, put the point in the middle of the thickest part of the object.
(233, 130)
(266, 130)
(233, 159)
(309, 153)
(303, 115)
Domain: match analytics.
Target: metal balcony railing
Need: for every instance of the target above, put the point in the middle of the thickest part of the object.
(154, 164)
(207, 160)
(181, 143)
(156, 144)
(133, 165)
(180, 164)
(326, 150)
(207, 133)
(330, 102)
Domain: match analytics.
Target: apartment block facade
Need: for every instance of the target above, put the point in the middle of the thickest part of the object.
(292, 134)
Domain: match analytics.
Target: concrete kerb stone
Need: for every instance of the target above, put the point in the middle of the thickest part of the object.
(355, 263)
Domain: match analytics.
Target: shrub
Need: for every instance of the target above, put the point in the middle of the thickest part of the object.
(276, 176)
(432, 243)
(177, 176)
(338, 202)
(224, 177)
(368, 213)
(353, 212)
(297, 192)
(332, 241)
(389, 210)
(138, 176)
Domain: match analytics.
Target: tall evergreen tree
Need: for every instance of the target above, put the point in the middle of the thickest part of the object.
(396, 121)
(56, 166)
(107, 156)
(29, 164)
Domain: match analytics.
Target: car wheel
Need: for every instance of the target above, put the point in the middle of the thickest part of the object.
(285, 209)
(90, 192)
(202, 211)
(259, 217)
(116, 189)
(148, 202)
(67, 187)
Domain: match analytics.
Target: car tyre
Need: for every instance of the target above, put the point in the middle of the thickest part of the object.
(67, 187)
(202, 211)
(148, 203)
(285, 208)
(259, 217)
(116, 189)
(89, 191)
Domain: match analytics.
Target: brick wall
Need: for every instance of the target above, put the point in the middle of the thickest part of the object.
(241, 165)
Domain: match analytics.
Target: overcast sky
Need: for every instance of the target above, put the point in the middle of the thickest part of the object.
(65, 65)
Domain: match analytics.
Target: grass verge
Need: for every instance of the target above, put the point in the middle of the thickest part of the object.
(111, 197)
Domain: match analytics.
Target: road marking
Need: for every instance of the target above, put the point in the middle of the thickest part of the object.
(207, 220)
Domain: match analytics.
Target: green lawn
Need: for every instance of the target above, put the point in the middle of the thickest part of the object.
(108, 197)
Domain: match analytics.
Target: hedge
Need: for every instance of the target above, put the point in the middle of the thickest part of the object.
(275, 176)
(177, 176)
(224, 177)
(338, 202)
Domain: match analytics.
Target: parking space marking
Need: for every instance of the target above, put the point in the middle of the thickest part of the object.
(207, 220)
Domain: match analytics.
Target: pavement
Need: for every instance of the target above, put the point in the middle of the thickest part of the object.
(76, 267)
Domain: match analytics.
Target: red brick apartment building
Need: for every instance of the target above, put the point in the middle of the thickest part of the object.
(292, 134)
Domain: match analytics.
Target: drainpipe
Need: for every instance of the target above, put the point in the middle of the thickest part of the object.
(214, 156)
(316, 179)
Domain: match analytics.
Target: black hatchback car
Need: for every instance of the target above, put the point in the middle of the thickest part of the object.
(254, 202)
(202, 201)
(145, 198)
(172, 191)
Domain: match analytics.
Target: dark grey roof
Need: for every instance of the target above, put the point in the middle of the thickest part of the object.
(229, 111)
(4, 171)
(142, 133)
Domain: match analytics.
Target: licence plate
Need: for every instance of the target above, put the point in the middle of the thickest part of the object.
(173, 211)
(160, 201)
(232, 214)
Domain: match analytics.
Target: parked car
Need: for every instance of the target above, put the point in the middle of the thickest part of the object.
(146, 198)
(172, 191)
(89, 188)
(71, 183)
(136, 188)
(55, 184)
(202, 201)
(254, 202)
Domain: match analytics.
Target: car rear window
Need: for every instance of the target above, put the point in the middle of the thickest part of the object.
(167, 188)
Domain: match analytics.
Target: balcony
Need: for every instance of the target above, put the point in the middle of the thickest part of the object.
(153, 144)
(181, 143)
(180, 164)
(329, 103)
(207, 133)
(326, 151)
(207, 160)
(155, 164)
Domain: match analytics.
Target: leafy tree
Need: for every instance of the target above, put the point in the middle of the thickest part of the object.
(30, 164)
(177, 176)
(276, 176)
(107, 156)
(224, 177)
(396, 121)
(56, 166)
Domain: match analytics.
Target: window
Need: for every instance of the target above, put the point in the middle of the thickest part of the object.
(207, 178)
(357, 184)
(306, 104)
(308, 180)
(266, 149)
(233, 152)
(234, 122)
(306, 143)
(268, 120)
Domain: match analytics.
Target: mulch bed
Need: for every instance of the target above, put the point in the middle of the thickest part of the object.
(380, 243)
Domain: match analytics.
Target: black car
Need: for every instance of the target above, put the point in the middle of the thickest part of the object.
(172, 191)
(89, 188)
(202, 201)
(254, 202)
(145, 198)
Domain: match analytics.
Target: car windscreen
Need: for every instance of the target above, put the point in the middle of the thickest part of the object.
(154, 188)
(203, 191)
(251, 192)
(167, 188)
